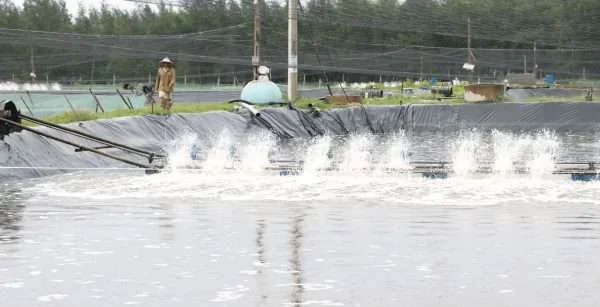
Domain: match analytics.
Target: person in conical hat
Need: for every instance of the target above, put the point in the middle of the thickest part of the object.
(165, 84)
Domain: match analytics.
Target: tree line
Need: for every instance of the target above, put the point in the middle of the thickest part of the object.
(352, 39)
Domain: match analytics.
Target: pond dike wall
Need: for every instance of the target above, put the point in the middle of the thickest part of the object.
(26, 151)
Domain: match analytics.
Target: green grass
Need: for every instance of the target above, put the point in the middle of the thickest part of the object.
(557, 99)
(69, 117)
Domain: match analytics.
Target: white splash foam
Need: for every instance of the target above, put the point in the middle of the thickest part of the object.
(52, 297)
(506, 151)
(230, 294)
(32, 87)
(544, 151)
(180, 150)
(221, 154)
(13, 285)
(357, 155)
(254, 157)
(317, 156)
(396, 154)
(465, 152)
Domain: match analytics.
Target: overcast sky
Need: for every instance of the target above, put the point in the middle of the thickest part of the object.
(73, 5)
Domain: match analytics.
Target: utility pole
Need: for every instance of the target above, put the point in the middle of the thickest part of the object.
(257, 37)
(535, 66)
(421, 74)
(92, 71)
(469, 52)
(524, 63)
(31, 59)
(292, 50)
(470, 57)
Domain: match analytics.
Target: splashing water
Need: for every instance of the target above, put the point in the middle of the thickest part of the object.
(254, 155)
(317, 156)
(221, 154)
(544, 150)
(465, 152)
(507, 148)
(396, 155)
(503, 153)
(357, 155)
(179, 151)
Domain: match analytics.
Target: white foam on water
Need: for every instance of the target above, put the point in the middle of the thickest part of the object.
(317, 157)
(13, 285)
(396, 153)
(465, 151)
(360, 157)
(254, 155)
(32, 87)
(180, 150)
(52, 297)
(506, 152)
(544, 153)
(230, 294)
(356, 155)
(316, 302)
(221, 154)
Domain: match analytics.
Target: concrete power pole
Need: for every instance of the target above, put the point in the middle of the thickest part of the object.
(470, 57)
(257, 37)
(469, 52)
(535, 66)
(31, 59)
(292, 89)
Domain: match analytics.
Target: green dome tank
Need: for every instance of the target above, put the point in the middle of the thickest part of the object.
(261, 91)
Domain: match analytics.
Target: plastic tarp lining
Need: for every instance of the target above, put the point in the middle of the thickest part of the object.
(154, 133)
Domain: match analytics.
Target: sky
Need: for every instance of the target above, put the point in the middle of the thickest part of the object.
(73, 5)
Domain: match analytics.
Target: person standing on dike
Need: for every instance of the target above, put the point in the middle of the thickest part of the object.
(165, 84)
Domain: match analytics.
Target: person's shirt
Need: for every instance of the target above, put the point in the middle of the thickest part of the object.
(165, 80)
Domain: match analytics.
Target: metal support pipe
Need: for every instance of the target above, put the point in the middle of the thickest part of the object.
(98, 104)
(70, 104)
(26, 105)
(149, 155)
(81, 147)
(127, 104)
